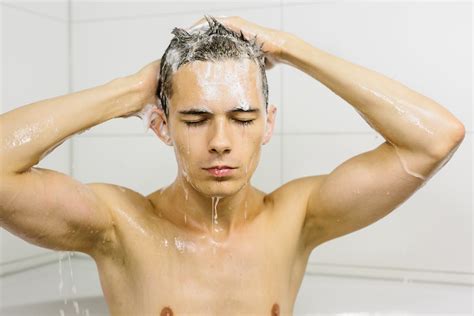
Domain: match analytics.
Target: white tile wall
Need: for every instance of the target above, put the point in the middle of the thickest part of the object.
(140, 163)
(35, 60)
(85, 11)
(329, 295)
(34, 67)
(388, 38)
(53, 10)
(401, 238)
(404, 41)
(316, 130)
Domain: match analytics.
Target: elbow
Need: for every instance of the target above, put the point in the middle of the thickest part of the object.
(457, 134)
(460, 131)
(453, 139)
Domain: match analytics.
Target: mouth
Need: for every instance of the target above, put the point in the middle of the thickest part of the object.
(220, 171)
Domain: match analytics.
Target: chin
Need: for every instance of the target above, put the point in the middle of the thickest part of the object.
(220, 187)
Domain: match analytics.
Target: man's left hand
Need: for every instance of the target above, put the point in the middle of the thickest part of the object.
(272, 40)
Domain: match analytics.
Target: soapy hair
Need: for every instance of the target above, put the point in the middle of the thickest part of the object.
(215, 43)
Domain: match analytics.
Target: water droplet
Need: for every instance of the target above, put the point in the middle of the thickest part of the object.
(61, 283)
(76, 307)
(245, 211)
(188, 139)
(215, 201)
(179, 244)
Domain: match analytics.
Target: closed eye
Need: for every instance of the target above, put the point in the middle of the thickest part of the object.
(198, 123)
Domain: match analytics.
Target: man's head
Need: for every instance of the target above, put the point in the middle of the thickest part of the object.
(214, 97)
(217, 43)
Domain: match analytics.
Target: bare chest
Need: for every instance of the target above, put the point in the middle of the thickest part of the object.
(216, 278)
(254, 272)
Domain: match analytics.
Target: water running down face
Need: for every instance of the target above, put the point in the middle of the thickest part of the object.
(217, 117)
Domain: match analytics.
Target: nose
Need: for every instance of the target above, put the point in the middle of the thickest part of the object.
(219, 142)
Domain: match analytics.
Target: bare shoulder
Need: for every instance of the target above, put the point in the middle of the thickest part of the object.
(121, 199)
(290, 201)
(117, 199)
(297, 189)
(113, 194)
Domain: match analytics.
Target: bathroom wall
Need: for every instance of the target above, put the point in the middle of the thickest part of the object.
(53, 48)
(35, 66)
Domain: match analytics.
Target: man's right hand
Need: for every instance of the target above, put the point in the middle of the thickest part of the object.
(150, 75)
(147, 81)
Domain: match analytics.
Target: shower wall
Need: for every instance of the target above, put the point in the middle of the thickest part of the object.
(52, 48)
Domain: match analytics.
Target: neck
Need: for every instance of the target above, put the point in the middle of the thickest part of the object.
(216, 216)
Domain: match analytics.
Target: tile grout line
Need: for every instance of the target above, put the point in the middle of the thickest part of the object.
(70, 73)
(175, 13)
(280, 5)
(25, 10)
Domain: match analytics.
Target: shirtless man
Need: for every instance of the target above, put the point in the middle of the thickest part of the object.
(211, 243)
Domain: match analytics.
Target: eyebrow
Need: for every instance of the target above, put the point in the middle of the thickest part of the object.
(201, 111)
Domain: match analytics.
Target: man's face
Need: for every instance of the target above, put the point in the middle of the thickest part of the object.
(230, 132)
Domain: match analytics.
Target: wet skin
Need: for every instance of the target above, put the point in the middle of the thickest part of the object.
(256, 270)
(205, 245)
(216, 246)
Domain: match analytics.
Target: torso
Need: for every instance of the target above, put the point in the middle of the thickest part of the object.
(154, 268)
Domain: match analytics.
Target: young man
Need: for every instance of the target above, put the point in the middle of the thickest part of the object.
(210, 243)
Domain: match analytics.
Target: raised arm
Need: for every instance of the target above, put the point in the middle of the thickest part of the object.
(46, 207)
(421, 136)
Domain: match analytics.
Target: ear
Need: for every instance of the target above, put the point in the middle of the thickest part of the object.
(159, 124)
(270, 124)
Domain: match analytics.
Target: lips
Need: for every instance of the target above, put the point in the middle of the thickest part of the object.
(220, 167)
(220, 171)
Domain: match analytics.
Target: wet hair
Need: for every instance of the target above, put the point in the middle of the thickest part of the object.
(217, 43)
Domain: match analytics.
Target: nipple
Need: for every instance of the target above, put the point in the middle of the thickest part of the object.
(166, 311)
(275, 310)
